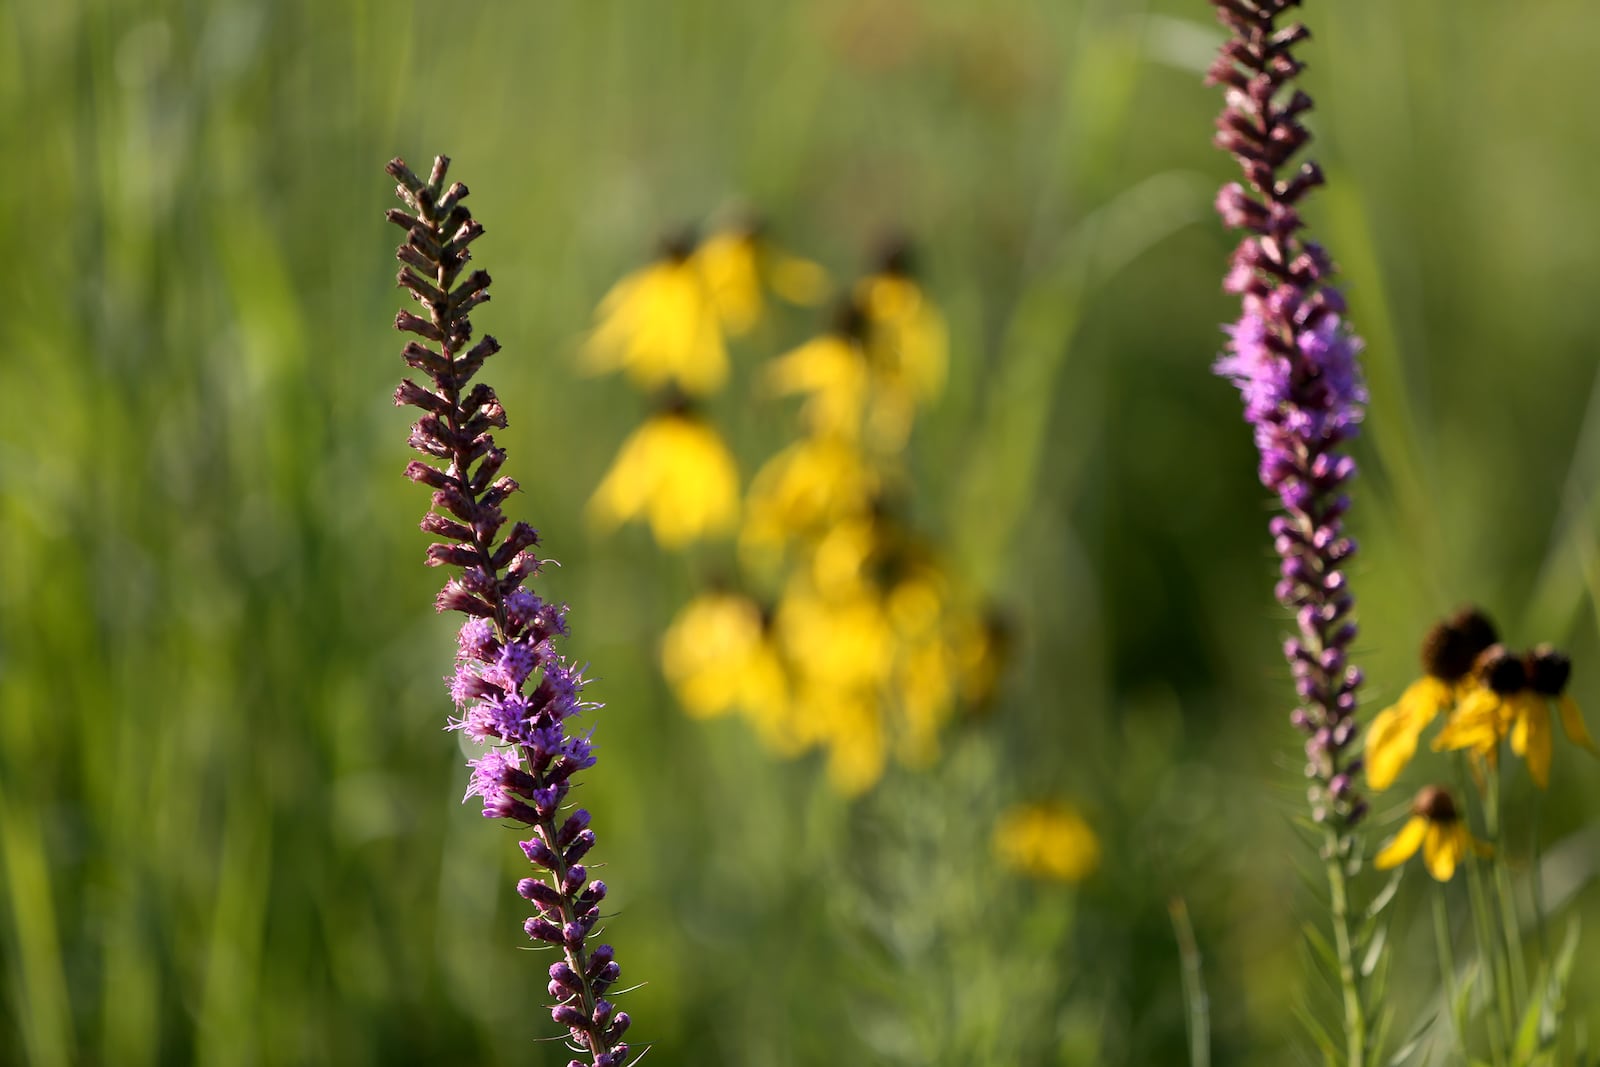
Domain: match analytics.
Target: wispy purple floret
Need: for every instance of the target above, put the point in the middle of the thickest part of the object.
(1294, 361)
(513, 692)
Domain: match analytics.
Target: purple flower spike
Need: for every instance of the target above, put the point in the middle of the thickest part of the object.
(512, 692)
(1294, 361)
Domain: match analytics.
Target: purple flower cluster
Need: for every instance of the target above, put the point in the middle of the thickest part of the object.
(1294, 361)
(512, 691)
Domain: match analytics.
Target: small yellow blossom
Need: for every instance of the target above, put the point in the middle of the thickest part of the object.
(910, 350)
(831, 373)
(737, 263)
(1547, 671)
(719, 657)
(660, 325)
(1448, 653)
(803, 490)
(1438, 829)
(1490, 707)
(1047, 840)
(675, 473)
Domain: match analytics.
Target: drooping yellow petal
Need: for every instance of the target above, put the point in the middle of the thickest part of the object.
(831, 372)
(1391, 742)
(909, 348)
(797, 280)
(675, 473)
(1425, 698)
(857, 747)
(659, 325)
(1442, 847)
(1404, 845)
(1478, 723)
(1530, 735)
(809, 485)
(1572, 723)
(727, 261)
(706, 650)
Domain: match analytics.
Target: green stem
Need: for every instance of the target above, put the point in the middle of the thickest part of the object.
(1355, 1016)
(1447, 966)
(1490, 954)
(1511, 926)
(1536, 876)
(1198, 1019)
(1499, 1021)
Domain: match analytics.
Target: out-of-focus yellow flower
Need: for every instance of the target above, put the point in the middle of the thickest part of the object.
(1548, 670)
(845, 641)
(1497, 696)
(675, 473)
(803, 489)
(737, 262)
(925, 693)
(718, 657)
(1449, 651)
(909, 347)
(982, 647)
(831, 373)
(660, 325)
(1437, 828)
(1047, 840)
(847, 723)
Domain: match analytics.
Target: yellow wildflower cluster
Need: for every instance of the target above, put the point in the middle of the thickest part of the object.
(1486, 694)
(869, 646)
(666, 327)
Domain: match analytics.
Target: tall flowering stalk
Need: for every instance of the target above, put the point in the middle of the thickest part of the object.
(513, 691)
(1294, 361)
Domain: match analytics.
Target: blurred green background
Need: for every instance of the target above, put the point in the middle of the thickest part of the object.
(229, 829)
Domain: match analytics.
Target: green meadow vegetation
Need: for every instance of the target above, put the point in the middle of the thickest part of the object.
(230, 828)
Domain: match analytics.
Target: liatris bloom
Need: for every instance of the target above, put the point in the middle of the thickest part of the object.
(513, 691)
(1294, 361)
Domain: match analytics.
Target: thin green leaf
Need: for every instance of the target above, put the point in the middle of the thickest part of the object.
(1380, 941)
(1318, 1033)
(1386, 894)
(1319, 942)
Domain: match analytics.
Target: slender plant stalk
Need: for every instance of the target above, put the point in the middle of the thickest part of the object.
(1355, 1016)
(1294, 361)
(1510, 923)
(515, 693)
(1447, 964)
(1197, 1019)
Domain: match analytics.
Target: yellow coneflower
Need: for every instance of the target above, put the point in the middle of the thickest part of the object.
(831, 373)
(718, 656)
(1547, 672)
(802, 490)
(675, 473)
(909, 347)
(737, 262)
(1494, 699)
(1448, 653)
(661, 326)
(1047, 840)
(1435, 827)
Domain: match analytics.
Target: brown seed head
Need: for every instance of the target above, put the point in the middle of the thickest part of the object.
(1548, 670)
(1501, 671)
(1451, 647)
(1434, 804)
